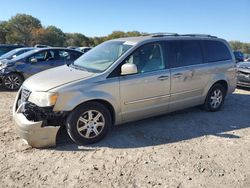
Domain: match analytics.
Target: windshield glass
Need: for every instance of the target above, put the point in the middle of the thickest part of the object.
(101, 57)
(24, 55)
(9, 54)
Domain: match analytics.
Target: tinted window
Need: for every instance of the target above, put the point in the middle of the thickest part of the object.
(185, 53)
(215, 51)
(147, 58)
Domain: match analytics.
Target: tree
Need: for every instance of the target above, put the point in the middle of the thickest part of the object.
(77, 39)
(237, 45)
(3, 32)
(51, 36)
(21, 28)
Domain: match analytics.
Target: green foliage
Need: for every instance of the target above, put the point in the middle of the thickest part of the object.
(243, 47)
(21, 28)
(76, 39)
(51, 35)
(3, 32)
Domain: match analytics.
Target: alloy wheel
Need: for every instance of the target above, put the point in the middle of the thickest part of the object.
(90, 124)
(216, 98)
(12, 82)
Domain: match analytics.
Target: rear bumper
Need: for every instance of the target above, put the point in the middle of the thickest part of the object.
(33, 132)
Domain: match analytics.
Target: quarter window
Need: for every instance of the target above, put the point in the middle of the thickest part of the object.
(147, 58)
(215, 51)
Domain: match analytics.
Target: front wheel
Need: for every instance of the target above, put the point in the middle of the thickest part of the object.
(12, 81)
(215, 98)
(88, 123)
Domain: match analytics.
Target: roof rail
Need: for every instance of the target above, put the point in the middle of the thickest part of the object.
(198, 35)
(176, 34)
(161, 34)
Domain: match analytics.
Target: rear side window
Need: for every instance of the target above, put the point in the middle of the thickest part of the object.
(215, 51)
(185, 53)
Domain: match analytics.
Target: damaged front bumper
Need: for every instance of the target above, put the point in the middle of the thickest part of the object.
(36, 132)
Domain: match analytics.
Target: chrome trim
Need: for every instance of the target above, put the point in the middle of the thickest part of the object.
(147, 99)
(183, 92)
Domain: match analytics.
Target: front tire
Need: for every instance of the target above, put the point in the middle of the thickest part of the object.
(88, 123)
(12, 81)
(215, 98)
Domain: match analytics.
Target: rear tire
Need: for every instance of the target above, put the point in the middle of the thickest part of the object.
(88, 123)
(215, 98)
(12, 81)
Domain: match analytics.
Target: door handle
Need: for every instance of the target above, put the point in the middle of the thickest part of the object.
(161, 78)
(177, 75)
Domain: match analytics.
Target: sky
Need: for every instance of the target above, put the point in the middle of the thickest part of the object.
(228, 19)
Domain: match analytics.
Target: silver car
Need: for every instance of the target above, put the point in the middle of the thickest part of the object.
(124, 80)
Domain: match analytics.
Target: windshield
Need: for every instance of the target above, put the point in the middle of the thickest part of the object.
(101, 57)
(24, 55)
(10, 54)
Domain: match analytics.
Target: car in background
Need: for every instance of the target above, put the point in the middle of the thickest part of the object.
(41, 46)
(13, 72)
(243, 74)
(16, 52)
(239, 56)
(4, 48)
(84, 49)
(73, 47)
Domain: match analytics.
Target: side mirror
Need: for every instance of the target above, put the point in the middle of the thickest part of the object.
(128, 68)
(33, 60)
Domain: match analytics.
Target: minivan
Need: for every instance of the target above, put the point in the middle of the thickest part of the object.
(124, 80)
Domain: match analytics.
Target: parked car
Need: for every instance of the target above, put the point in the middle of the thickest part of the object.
(243, 74)
(239, 56)
(4, 48)
(73, 47)
(13, 72)
(124, 80)
(41, 46)
(16, 52)
(84, 49)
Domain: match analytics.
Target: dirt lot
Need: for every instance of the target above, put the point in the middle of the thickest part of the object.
(190, 148)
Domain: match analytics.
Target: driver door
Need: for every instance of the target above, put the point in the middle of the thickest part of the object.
(146, 93)
(40, 61)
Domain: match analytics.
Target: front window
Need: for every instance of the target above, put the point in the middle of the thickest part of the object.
(101, 57)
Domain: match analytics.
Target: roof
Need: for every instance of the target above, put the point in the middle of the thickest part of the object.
(134, 40)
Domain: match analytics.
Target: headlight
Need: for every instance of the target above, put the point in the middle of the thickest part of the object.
(43, 99)
(2, 66)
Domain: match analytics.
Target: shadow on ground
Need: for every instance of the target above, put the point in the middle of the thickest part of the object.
(182, 125)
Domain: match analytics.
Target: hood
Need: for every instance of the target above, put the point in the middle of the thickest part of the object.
(6, 62)
(55, 77)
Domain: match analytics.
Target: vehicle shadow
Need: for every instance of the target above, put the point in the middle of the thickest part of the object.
(174, 127)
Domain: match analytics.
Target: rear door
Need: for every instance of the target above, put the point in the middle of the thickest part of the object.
(188, 73)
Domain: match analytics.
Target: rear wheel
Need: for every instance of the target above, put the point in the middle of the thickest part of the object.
(12, 81)
(88, 123)
(215, 98)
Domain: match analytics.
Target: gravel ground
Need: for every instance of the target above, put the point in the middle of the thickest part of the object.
(189, 148)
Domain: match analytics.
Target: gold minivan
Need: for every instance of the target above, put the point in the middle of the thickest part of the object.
(124, 80)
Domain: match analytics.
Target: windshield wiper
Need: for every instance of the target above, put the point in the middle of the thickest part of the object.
(77, 67)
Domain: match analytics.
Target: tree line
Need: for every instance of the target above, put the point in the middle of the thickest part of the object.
(28, 30)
